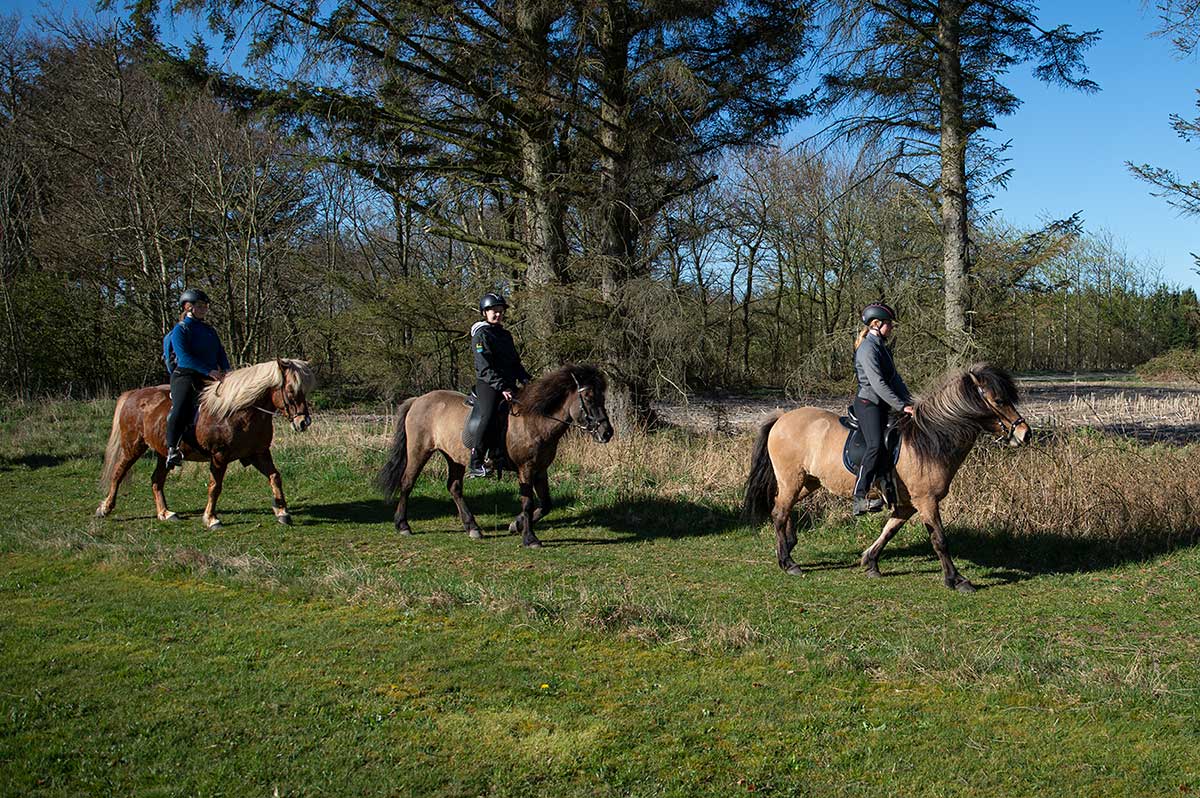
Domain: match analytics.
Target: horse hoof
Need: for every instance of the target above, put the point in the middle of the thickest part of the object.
(168, 517)
(101, 512)
(474, 534)
(513, 528)
(215, 525)
(533, 544)
(794, 570)
(284, 519)
(405, 530)
(872, 572)
(964, 586)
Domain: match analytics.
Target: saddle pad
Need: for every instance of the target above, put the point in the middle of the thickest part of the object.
(855, 447)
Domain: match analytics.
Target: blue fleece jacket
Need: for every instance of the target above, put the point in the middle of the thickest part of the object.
(192, 344)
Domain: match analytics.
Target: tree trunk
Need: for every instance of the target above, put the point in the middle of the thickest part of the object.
(954, 181)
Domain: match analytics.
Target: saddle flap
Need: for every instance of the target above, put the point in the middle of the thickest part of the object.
(856, 446)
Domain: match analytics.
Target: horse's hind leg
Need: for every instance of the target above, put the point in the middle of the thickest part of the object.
(870, 557)
(118, 476)
(157, 480)
(791, 490)
(932, 516)
(216, 470)
(416, 462)
(266, 466)
(454, 484)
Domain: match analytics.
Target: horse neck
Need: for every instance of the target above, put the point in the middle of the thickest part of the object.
(549, 428)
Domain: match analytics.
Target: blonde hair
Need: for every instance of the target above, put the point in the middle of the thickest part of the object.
(862, 335)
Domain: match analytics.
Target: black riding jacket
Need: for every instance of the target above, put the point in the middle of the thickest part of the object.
(496, 360)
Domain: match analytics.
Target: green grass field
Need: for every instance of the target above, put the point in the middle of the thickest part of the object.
(652, 648)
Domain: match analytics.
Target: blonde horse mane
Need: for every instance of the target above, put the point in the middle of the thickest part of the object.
(243, 387)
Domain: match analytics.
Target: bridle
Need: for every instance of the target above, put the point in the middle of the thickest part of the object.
(1007, 428)
(591, 423)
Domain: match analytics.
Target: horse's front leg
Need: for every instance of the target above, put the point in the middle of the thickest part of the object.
(524, 519)
(870, 557)
(266, 466)
(216, 470)
(541, 487)
(932, 516)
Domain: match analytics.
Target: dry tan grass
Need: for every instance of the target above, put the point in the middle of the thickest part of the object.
(1072, 484)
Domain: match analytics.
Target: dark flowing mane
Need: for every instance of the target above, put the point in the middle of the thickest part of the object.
(951, 414)
(546, 394)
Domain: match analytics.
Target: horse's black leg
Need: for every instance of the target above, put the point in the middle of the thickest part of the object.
(525, 519)
(411, 472)
(785, 528)
(932, 517)
(870, 557)
(541, 484)
(454, 484)
(266, 466)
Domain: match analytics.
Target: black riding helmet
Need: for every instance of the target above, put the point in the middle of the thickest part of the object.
(193, 295)
(490, 300)
(878, 310)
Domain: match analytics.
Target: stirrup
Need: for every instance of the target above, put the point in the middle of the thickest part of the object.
(863, 505)
(174, 458)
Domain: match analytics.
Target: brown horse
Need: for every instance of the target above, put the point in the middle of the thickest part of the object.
(800, 451)
(235, 422)
(572, 396)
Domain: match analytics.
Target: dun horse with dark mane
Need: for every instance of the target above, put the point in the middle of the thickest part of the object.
(800, 451)
(572, 396)
(235, 422)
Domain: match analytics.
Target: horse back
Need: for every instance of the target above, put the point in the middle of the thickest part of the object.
(807, 438)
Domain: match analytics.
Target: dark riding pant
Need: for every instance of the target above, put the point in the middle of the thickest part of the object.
(186, 385)
(491, 404)
(871, 420)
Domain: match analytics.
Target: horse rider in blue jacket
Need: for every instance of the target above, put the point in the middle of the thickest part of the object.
(194, 356)
(498, 374)
(880, 388)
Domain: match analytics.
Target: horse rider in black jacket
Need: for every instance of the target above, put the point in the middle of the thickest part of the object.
(498, 374)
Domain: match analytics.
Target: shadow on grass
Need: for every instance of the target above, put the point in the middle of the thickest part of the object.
(1017, 558)
(32, 461)
(487, 499)
(647, 518)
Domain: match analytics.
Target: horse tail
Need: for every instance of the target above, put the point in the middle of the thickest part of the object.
(114, 449)
(761, 485)
(393, 470)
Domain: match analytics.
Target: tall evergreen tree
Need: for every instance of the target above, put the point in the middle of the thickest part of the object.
(927, 73)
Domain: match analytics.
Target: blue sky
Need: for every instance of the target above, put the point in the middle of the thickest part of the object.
(1069, 149)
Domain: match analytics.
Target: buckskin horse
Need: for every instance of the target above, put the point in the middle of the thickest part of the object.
(799, 451)
(571, 396)
(235, 422)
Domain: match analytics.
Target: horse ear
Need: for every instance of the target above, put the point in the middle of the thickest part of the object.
(975, 379)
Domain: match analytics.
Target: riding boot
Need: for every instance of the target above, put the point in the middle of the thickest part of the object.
(477, 468)
(863, 505)
(174, 457)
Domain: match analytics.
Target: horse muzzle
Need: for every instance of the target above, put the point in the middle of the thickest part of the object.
(301, 423)
(604, 433)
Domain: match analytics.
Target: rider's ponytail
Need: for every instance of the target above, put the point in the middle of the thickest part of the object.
(862, 335)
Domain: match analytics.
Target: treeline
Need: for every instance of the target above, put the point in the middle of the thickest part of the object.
(126, 174)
